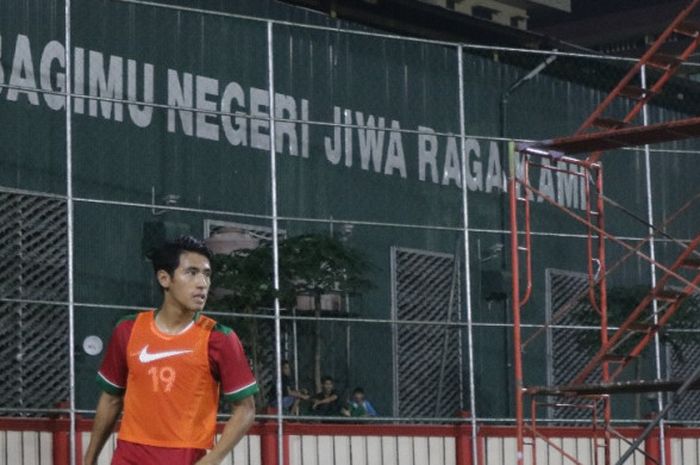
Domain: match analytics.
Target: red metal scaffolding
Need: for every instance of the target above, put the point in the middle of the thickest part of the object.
(676, 282)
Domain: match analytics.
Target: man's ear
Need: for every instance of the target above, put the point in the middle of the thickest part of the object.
(164, 279)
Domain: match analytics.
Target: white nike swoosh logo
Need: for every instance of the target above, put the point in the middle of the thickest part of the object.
(146, 357)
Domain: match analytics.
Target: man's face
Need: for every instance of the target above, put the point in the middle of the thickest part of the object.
(328, 386)
(286, 370)
(358, 397)
(188, 287)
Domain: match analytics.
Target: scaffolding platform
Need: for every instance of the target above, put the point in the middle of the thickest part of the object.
(624, 137)
(618, 387)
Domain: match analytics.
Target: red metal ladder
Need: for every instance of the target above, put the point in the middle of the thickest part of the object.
(593, 176)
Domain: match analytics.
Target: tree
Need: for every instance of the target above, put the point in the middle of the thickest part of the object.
(242, 280)
(309, 264)
(318, 264)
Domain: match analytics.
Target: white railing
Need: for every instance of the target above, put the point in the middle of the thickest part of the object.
(45, 442)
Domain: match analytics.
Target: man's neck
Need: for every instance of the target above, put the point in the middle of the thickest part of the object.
(173, 318)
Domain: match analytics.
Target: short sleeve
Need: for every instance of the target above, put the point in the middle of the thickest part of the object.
(113, 372)
(230, 366)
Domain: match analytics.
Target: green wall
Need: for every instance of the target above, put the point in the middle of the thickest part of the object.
(400, 188)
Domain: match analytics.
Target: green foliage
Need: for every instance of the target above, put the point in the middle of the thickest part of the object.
(244, 279)
(242, 282)
(315, 264)
(309, 264)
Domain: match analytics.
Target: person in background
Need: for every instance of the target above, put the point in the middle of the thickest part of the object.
(326, 402)
(290, 396)
(359, 406)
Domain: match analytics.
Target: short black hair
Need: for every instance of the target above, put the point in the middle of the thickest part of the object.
(327, 378)
(358, 390)
(167, 256)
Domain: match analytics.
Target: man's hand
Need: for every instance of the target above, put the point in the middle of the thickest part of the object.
(236, 427)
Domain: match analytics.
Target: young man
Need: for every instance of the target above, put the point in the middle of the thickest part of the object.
(290, 396)
(359, 406)
(165, 368)
(326, 402)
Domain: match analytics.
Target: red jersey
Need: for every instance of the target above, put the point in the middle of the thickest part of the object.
(172, 382)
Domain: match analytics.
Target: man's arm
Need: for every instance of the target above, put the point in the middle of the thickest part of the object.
(236, 427)
(327, 400)
(298, 394)
(371, 411)
(108, 409)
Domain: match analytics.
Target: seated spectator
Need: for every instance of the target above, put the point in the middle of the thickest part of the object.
(326, 402)
(359, 406)
(290, 396)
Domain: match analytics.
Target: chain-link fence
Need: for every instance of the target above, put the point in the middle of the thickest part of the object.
(34, 335)
(429, 360)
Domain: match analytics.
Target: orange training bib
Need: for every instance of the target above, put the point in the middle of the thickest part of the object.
(171, 397)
